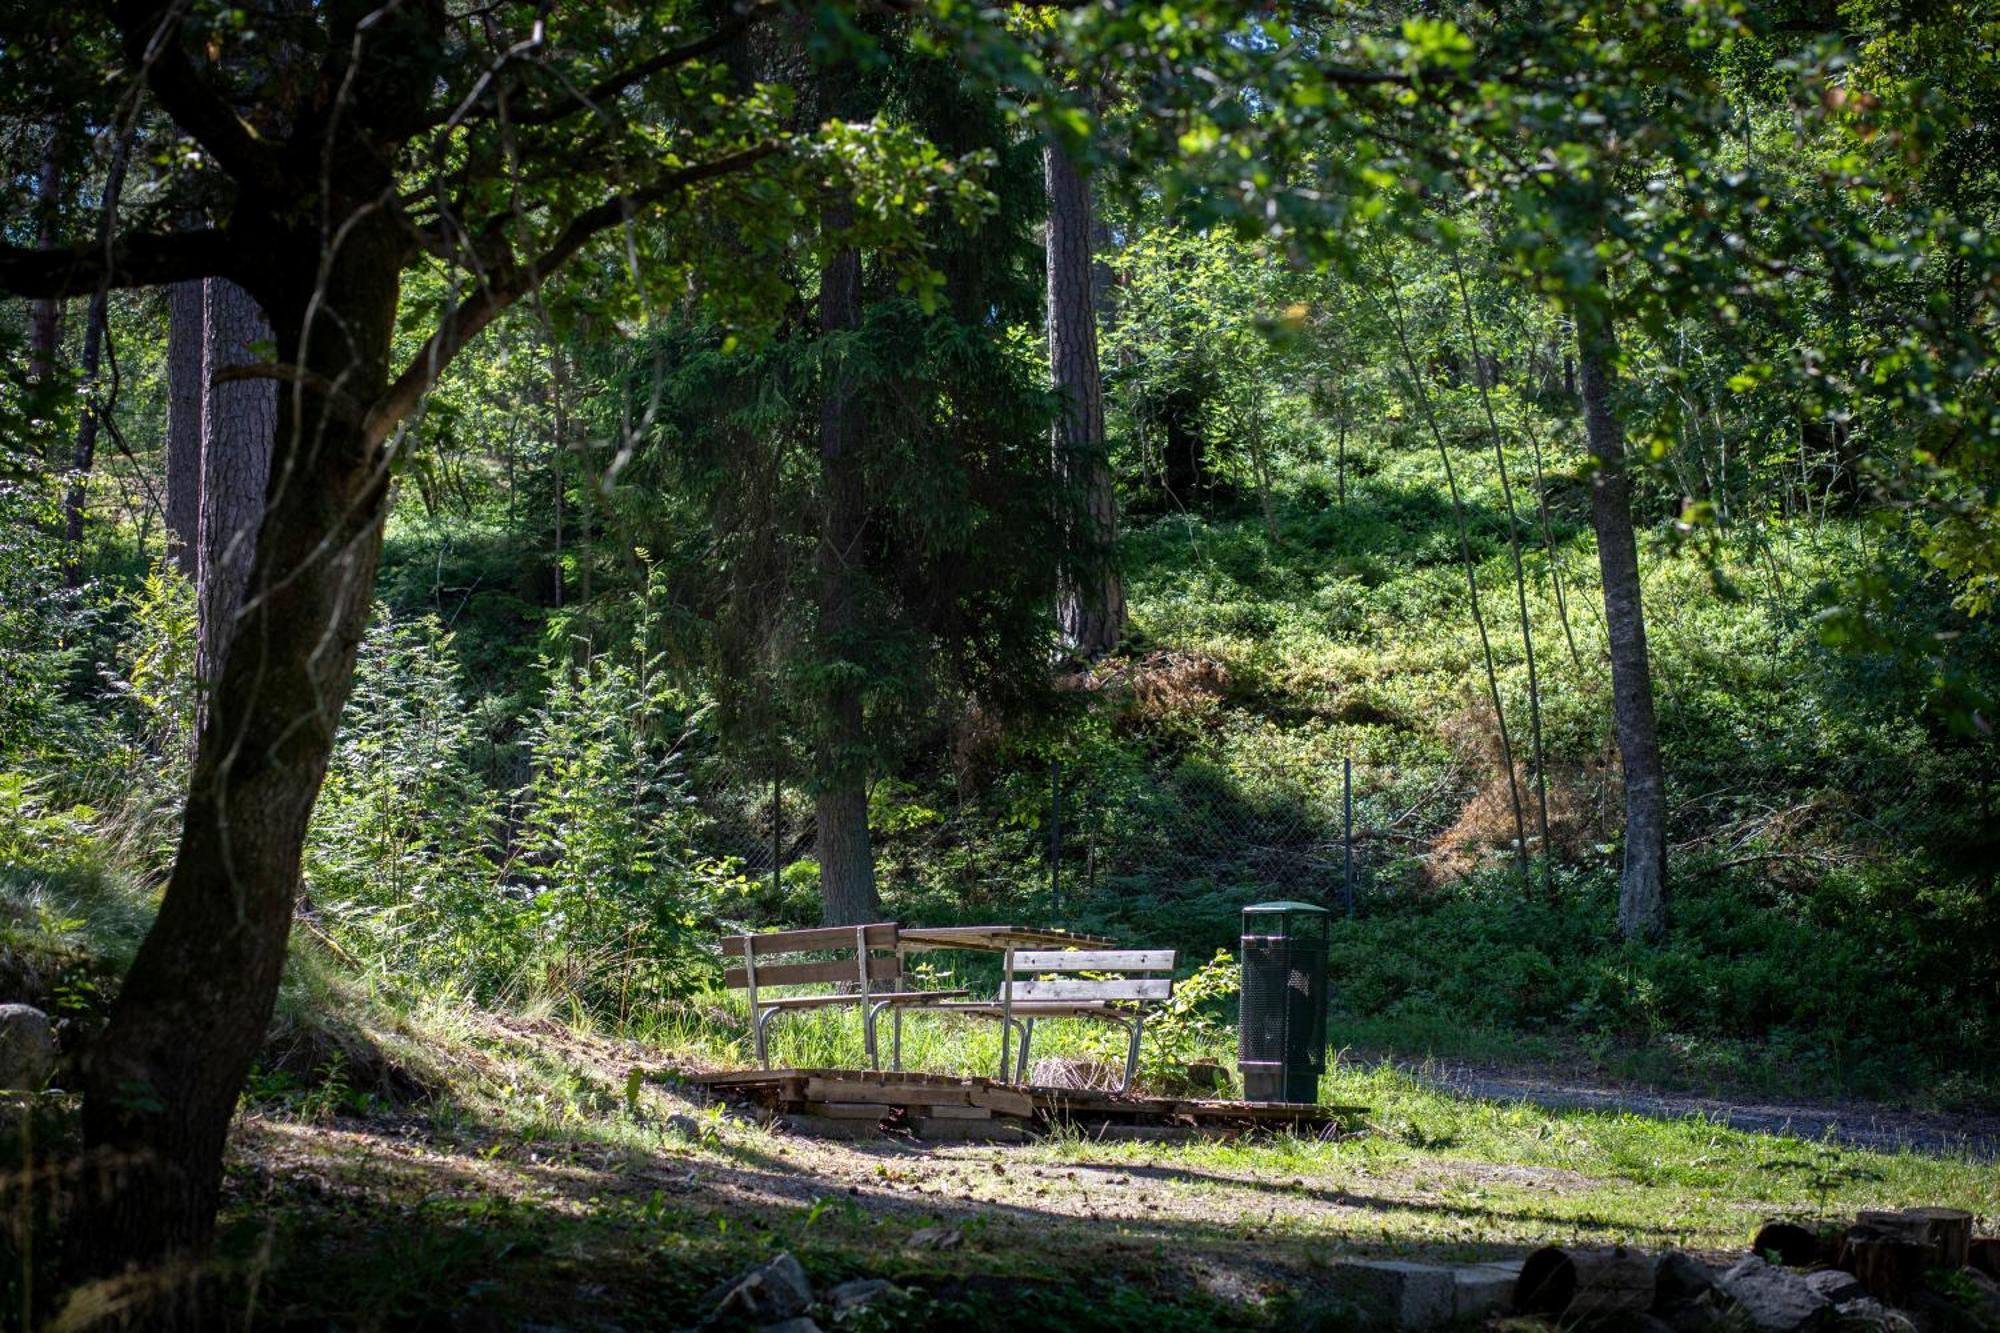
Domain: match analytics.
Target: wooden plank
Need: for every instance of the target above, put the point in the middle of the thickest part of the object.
(997, 938)
(1150, 988)
(847, 1110)
(937, 1129)
(881, 935)
(957, 1113)
(811, 974)
(1005, 1101)
(1093, 960)
(727, 1077)
(887, 1094)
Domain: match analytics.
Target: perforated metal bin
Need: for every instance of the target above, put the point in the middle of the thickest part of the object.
(1281, 1031)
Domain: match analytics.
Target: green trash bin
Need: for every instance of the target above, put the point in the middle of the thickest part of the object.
(1281, 1027)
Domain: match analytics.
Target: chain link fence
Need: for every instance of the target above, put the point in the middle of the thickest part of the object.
(1074, 843)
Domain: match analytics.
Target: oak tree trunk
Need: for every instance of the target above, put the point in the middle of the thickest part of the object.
(846, 862)
(1091, 601)
(187, 345)
(161, 1083)
(1642, 895)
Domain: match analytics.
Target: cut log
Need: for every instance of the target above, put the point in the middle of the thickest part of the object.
(1586, 1286)
(1946, 1232)
(1785, 1243)
(1983, 1253)
(1891, 1267)
(1950, 1234)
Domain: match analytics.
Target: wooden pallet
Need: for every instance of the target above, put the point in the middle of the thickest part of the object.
(852, 1099)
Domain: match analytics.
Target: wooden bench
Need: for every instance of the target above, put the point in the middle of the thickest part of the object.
(1026, 993)
(853, 958)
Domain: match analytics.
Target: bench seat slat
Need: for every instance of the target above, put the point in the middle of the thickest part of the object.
(1139, 988)
(1045, 1009)
(1093, 960)
(855, 997)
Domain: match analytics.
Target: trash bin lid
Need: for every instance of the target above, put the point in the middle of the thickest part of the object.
(1273, 908)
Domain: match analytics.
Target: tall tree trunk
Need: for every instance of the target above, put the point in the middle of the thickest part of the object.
(187, 349)
(1090, 604)
(846, 862)
(1642, 895)
(239, 420)
(84, 457)
(161, 1083)
(45, 316)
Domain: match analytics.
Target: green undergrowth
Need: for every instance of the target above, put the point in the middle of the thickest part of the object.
(407, 1158)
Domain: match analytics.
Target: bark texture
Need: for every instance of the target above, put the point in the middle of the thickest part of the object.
(846, 861)
(239, 420)
(1642, 896)
(1091, 603)
(187, 346)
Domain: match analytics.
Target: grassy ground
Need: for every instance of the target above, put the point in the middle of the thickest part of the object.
(543, 1182)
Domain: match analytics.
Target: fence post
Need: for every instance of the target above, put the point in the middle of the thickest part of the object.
(777, 839)
(1055, 838)
(1347, 834)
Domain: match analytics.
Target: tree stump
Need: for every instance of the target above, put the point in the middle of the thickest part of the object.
(1983, 1253)
(1945, 1232)
(1891, 1267)
(1950, 1234)
(1586, 1286)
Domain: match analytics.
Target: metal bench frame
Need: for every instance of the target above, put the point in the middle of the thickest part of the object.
(865, 969)
(1024, 998)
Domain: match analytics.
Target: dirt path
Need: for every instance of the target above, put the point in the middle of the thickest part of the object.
(1855, 1124)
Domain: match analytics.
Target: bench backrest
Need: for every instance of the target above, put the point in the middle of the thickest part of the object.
(1026, 982)
(764, 957)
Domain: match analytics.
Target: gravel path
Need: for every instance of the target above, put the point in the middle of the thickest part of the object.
(1856, 1124)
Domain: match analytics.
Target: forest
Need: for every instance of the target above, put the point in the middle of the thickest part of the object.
(504, 506)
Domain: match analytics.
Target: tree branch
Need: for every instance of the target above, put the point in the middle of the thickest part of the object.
(151, 32)
(611, 86)
(148, 259)
(510, 282)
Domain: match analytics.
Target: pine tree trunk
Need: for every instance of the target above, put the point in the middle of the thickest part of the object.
(846, 862)
(238, 422)
(1091, 603)
(1642, 896)
(160, 1085)
(187, 343)
(84, 457)
(45, 316)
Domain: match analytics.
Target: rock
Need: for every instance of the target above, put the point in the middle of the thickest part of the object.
(1868, 1315)
(1775, 1300)
(1680, 1279)
(1480, 1290)
(27, 1048)
(686, 1126)
(768, 1294)
(1836, 1286)
(1395, 1294)
(860, 1292)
